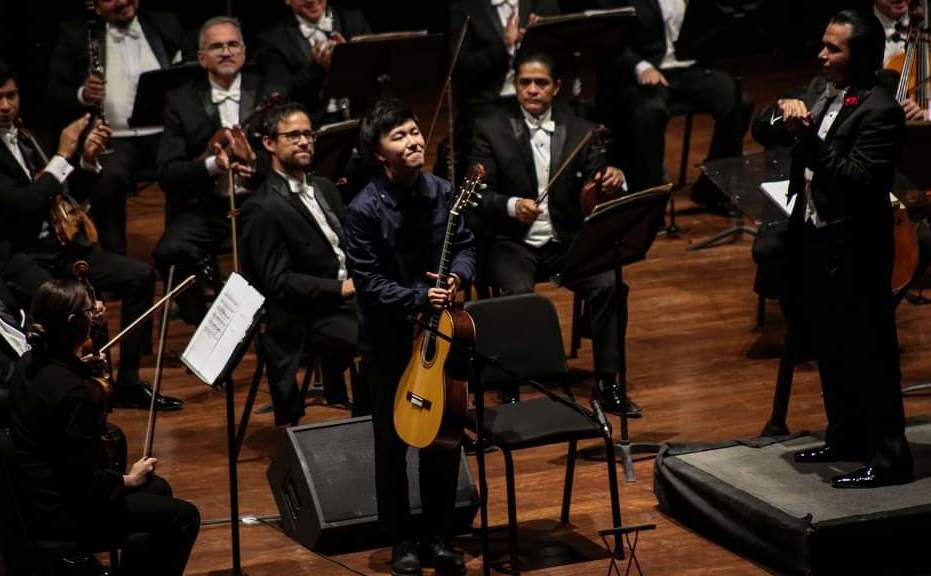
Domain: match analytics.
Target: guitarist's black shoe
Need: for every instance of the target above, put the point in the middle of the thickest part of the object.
(404, 559)
(444, 558)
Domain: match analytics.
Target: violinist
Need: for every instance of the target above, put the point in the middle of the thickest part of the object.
(521, 152)
(28, 185)
(67, 491)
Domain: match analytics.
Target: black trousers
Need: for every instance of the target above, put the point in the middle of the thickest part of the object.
(155, 530)
(705, 90)
(116, 183)
(333, 334)
(439, 468)
(844, 302)
(516, 267)
(190, 236)
(132, 281)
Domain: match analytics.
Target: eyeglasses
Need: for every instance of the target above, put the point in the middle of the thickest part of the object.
(218, 48)
(295, 136)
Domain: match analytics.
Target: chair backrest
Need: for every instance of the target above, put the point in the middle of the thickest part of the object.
(522, 331)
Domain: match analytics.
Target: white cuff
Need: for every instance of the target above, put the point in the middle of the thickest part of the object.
(211, 164)
(59, 168)
(512, 206)
(642, 67)
(88, 167)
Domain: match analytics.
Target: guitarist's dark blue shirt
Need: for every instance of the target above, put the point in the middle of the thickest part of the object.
(394, 236)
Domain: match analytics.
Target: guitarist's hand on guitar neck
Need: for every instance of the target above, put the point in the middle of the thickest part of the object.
(440, 298)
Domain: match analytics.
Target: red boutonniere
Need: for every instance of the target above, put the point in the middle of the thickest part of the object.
(851, 101)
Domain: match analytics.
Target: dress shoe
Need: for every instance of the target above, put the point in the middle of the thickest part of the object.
(444, 558)
(611, 399)
(139, 395)
(404, 559)
(824, 453)
(873, 477)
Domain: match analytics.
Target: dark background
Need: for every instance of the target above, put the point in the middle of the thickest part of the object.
(789, 29)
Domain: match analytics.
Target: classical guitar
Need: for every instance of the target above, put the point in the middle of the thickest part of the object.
(432, 396)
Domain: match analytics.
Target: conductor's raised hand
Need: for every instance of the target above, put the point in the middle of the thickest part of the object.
(795, 114)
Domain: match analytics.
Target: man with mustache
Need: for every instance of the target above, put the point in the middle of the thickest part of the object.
(522, 151)
(294, 254)
(194, 165)
(130, 41)
(394, 233)
(297, 51)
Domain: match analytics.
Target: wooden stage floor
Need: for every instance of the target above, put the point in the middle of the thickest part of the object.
(698, 365)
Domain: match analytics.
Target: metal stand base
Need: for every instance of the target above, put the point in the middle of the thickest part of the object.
(737, 230)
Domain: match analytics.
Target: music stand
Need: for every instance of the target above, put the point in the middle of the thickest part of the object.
(334, 148)
(713, 29)
(580, 42)
(407, 65)
(618, 233)
(153, 89)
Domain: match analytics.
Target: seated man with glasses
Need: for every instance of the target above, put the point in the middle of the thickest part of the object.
(201, 144)
(293, 252)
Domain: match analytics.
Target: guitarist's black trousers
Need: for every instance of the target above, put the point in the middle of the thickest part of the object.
(439, 468)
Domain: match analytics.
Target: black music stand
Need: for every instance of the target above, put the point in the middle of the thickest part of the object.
(713, 29)
(334, 148)
(406, 65)
(153, 89)
(618, 233)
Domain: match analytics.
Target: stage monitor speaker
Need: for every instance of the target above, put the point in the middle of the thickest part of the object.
(323, 480)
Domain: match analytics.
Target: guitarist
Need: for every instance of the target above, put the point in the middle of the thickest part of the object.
(395, 229)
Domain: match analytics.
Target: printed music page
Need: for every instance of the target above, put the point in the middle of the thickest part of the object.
(778, 193)
(226, 325)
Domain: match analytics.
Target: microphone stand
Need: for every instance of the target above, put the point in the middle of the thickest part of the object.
(477, 364)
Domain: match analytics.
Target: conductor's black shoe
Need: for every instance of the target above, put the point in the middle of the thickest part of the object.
(139, 395)
(873, 477)
(404, 559)
(824, 453)
(444, 558)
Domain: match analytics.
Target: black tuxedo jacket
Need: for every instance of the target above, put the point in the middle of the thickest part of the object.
(70, 59)
(25, 203)
(286, 255)
(285, 58)
(502, 145)
(484, 61)
(854, 166)
(191, 119)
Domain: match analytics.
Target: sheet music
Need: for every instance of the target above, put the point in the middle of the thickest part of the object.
(226, 325)
(778, 193)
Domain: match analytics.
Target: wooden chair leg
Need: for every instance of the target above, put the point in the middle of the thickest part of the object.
(512, 513)
(567, 486)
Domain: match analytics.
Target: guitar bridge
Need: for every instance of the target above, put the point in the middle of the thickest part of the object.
(418, 401)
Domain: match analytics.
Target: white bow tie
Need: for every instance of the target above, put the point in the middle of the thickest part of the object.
(324, 26)
(119, 34)
(548, 126)
(11, 136)
(218, 96)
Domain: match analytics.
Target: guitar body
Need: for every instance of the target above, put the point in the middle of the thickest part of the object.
(432, 396)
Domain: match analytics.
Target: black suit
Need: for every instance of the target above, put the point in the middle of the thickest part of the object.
(503, 146)
(648, 107)
(839, 274)
(196, 219)
(25, 205)
(69, 68)
(290, 261)
(285, 57)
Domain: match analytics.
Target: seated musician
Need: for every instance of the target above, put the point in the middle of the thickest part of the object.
(130, 41)
(67, 492)
(194, 166)
(28, 184)
(895, 17)
(653, 80)
(293, 252)
(297, 51)
(392, 249)
(521, 152)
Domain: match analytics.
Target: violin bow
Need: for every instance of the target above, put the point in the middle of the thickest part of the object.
(596, 131)
(447, 88)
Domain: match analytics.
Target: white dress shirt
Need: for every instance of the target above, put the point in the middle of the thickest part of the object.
(506, 8)
(673, 13)
(227, 103)
(57, 166)
(895, 40)
(830, 115)
(541, 137)
(318, 33)
(308, 197)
